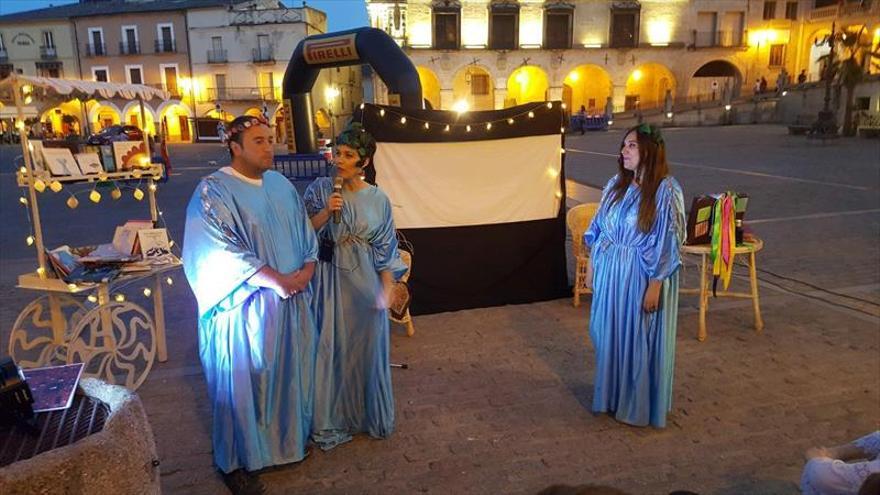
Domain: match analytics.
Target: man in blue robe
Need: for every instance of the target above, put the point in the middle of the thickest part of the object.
(249, 253)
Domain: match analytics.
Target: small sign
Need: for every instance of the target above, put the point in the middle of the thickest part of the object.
(288, 126)
(393, 99)
(330, 50)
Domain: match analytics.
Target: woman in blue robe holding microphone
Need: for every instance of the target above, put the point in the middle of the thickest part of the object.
(635, 241)
(358, 264)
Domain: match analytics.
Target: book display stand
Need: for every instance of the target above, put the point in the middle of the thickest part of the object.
(117, 340)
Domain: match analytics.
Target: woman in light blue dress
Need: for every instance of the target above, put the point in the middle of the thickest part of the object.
(635, 241)
(351, 285)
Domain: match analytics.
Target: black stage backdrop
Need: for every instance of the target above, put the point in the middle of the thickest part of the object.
(483, 207)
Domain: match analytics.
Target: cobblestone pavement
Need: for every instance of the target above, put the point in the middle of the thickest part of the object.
(496, 400)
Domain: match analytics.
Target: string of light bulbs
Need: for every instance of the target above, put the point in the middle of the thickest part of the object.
(486, 125)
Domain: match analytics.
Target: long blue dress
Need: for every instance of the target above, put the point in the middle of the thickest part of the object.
(635, 350)
(353, 390)
(257, 349)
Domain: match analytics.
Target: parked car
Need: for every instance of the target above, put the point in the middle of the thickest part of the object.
(116, 133)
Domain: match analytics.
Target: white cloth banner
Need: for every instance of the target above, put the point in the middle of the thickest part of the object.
(471, 183)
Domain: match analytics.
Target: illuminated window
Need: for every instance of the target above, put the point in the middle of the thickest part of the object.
(557, 27)
(447, 25)
(503, 26)
(769, 10)
(777, 55)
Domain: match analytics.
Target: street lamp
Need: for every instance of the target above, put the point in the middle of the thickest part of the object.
(330, 94)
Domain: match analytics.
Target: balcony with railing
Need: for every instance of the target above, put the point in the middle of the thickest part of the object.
(96, 49)
(129, 48)
(217, 56)
(165, 46)
(718, 39)
(172, 89)
(251, 93)
(263, 55)
(48, 53)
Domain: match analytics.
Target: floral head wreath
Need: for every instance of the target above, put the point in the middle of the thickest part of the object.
(357, 138)
(247, 124)
(652, 132)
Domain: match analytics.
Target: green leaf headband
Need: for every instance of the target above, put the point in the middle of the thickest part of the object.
(650, 131)
(357, 138)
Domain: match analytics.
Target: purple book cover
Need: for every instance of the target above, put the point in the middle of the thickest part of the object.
(53, 387)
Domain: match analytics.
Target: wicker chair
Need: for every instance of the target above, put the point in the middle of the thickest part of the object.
(578, 220)
(406, 257)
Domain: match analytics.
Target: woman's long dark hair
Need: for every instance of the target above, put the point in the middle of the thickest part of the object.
(651, 171)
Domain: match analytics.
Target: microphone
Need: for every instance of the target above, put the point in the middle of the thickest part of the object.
(337, 188)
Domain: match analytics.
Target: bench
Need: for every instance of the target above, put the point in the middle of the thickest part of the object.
(802, 125)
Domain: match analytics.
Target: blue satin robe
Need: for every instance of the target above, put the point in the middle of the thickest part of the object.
(635, 350)
(257, 349)
(353, 391)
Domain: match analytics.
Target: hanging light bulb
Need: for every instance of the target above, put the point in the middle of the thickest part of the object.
(116, 193)
(28, 99)
(169, 281)
(29, 240)
(41, 272)
(55, 186)
(468, 128)
(119, 297)
(489, 126)
(147, 292)
(531, 115)
(381, 112)
(562, 130)
(549, 104)
(23, 200)
(22, 169)
(562, 150)
(138, 194)
(39, 185)
(153, 187)
(403, 120)
(361, 106)
(161, 213)
(92, 298)
(446, 129)
(427, 126)
(510, 121)
(136, 173)
(95, 196)
(72, 202)
(19, 124)
(171, 243)
(72, 287)
(564, 106)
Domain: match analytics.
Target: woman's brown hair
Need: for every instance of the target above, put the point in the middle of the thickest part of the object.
(650, 172)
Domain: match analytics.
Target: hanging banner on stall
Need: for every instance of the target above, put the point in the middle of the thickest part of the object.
(330, 50)
(288, 126)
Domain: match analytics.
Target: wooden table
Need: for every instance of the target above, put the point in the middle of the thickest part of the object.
(705, 290)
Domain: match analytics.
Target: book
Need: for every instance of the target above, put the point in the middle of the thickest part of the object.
(53, 387)
(125, 237)
(89, 163)
(105, 253)
(154, 242)
(60, 161)
(69, 268)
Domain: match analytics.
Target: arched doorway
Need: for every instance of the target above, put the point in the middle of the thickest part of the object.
(588, 86)
(103, 114)
(62, 120)
(473, 84)
(647, 85)
(175, 118)
(526, 84)
(430, 86)
(711, 79)
(131, 115)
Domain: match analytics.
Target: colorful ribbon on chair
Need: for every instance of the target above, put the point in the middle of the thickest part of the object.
(723, 240)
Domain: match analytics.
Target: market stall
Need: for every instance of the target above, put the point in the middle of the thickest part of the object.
(81, 315)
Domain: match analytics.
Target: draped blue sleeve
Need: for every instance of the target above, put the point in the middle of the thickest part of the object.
(218, 257)
(307, 232)
(595, 228)
(315, 196)
(661, 255)
(384, 243)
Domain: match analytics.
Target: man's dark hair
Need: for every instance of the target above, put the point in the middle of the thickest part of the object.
(235, 131)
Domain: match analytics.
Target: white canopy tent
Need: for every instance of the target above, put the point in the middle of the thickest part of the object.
(53, 89)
